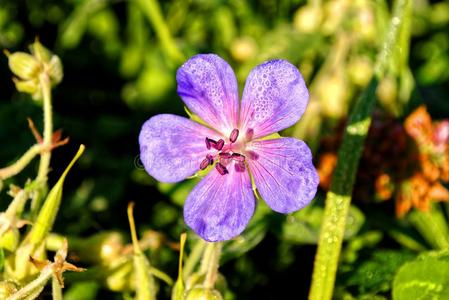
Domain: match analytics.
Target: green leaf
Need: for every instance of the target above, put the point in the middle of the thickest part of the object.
(251, 237)
(375, 274)
(427, 277)
(303, 226)
(86, 290)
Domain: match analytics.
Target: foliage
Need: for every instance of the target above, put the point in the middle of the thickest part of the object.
(120, 60)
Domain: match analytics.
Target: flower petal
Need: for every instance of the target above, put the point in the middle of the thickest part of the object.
(283, 173)
(207, 85)
(172, 147)
(274, 98)
(220, 206)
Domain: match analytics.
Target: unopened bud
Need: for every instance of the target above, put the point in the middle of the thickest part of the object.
(24, 65)
(201, 293)
(10, 239)
(102, 248)
(30, 86)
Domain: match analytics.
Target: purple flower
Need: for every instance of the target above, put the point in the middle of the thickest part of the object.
(173, 148)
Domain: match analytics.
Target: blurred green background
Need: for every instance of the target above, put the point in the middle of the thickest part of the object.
(120, 62)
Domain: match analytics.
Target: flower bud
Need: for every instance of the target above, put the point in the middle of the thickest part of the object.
(29, 67)
(102, 248)
(201, 293)
(10, 239)
(24, 65)
(28, 86)
(55, 70)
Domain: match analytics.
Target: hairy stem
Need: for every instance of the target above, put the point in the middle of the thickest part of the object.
(44, 163)
(338, 199)
(210, 264)
(21, 163)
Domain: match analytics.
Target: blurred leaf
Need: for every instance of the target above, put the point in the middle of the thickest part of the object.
(82, 291)
(2, 259)
(375, 274)
(427, 277)
(251, 237)
(73, 29)
(303, 226)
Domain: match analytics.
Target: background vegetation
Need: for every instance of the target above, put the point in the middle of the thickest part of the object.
(120, 59)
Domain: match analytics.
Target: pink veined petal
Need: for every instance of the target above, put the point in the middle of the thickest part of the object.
(220, 206)
(274, 98)
(283, 173)
(172, 147)
(207, 85)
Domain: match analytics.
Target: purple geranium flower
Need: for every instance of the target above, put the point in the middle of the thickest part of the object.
(173, 148)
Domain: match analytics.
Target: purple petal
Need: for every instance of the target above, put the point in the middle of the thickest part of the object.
(283, 172)
(172, 147)
(207, 85)
(220, 206)
(274, 98)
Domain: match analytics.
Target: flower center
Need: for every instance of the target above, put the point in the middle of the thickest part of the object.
(225, 155)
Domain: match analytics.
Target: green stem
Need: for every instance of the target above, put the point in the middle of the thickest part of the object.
(210, 264)
(193, 258)
(152, 11)
(48, 128)
(34, 287)
(21, 163)
(44, 163)
(56, 290)
(338, 199)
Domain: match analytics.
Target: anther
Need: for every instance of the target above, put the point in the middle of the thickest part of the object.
(219, 145)
(225, 155)
(204, 163)
(234, 135)
(210, 143)
(221, 169)
(238, 157)
(209, 160)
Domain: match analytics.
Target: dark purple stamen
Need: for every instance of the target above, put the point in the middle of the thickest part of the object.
(210, 158)
(225, 155)
(238, 157)
(204, 163)
(219, 145)
(210, 143)
(240, 167)
(234, 135)
(221, 169)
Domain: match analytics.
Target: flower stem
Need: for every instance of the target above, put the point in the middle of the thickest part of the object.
(35, 287)
(210, 264)
(21, 163)
(193, 258)
(338, 199)
(44, 163)
(48, 127)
